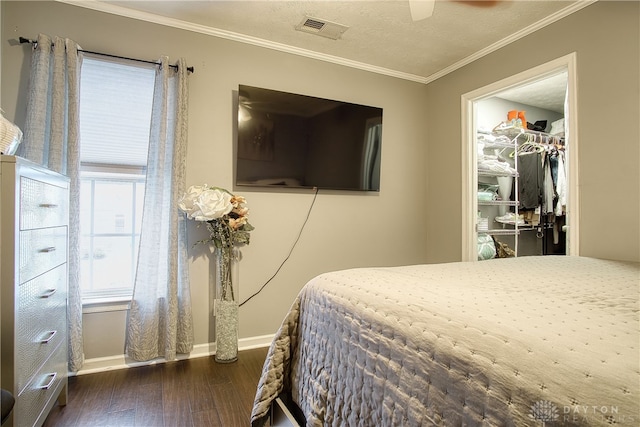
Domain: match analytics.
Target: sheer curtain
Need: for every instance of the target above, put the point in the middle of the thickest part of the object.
(51, 139)
(160, 323)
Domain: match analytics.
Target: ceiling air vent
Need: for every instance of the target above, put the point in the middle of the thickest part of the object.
(322, 27)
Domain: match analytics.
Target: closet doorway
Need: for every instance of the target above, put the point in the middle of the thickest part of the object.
(544, 93)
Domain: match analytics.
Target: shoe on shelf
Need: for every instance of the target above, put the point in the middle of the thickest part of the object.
(510, 218)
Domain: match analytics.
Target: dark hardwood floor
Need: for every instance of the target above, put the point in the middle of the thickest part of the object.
(194, 392)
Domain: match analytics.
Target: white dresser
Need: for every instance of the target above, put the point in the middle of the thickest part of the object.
(34, 218)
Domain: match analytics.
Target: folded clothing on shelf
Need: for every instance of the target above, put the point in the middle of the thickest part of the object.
(557, 127)
(489, 139)
(486, 196)
(538, 126)
(491, 165)
(487, 192)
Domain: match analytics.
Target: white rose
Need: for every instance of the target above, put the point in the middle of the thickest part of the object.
(212, 204)
(187, 201)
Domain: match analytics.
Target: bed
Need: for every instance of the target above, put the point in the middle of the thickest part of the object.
(504, 342)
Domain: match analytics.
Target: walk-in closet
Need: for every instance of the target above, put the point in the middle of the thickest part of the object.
(521, 152)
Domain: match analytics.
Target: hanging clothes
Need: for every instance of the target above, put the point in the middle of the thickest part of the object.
(549, 190)
(561, 186)
(531, 180)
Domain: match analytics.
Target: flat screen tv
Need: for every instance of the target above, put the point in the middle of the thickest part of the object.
(287, 140)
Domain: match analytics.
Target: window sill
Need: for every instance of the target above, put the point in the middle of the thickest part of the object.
(103, 305)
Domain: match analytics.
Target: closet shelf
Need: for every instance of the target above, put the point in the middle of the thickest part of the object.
(492, 173)
(515, 132)
(497, 203)
(510, 131)
(520, 225)
(500, 232)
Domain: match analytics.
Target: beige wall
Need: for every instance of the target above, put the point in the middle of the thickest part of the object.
(605, 37)
(344, 230)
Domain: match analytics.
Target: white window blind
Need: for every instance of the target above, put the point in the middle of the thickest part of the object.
(115, 112)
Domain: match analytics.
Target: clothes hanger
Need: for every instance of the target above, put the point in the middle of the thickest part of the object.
(530, 146)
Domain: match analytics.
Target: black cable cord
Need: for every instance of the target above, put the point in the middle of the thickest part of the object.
(290, 251)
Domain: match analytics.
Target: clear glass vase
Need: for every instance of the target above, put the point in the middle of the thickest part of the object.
(226, 304)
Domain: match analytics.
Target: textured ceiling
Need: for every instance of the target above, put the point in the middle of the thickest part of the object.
(548, 93)
(381, 35)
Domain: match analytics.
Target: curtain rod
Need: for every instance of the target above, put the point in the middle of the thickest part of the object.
(35, 42)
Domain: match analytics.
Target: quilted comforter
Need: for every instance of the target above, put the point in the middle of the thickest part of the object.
(504, 342)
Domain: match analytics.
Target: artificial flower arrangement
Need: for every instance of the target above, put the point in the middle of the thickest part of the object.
(226, 216)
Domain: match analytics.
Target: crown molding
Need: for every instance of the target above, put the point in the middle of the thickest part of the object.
(242, 38)
(572, 8)
(255, 41)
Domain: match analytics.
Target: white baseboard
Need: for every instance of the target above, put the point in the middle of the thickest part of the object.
(120, 361)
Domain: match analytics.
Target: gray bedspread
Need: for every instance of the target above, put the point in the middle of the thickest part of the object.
(505, 342)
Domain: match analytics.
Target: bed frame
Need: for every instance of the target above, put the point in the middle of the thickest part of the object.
(282, 413)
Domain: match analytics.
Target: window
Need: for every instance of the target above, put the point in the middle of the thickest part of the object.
(115, 115)
(371, 163)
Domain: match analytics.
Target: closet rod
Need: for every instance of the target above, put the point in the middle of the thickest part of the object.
(35, 42)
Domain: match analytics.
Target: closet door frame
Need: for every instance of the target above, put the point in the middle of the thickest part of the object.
(567, 64)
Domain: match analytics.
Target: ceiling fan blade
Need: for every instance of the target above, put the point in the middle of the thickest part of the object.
(421, 9)
(479, 3)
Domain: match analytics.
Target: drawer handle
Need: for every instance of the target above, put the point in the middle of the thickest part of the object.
(50, 334)
(48, 205)
(49, 249)
(48, 293)
(48, 385)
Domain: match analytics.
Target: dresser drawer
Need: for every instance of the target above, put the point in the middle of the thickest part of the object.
(42, 204)
(46, 385)
(41, 250)
(41, 316)
(34, 245)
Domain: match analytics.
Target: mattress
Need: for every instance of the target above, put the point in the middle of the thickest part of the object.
(504, 342)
